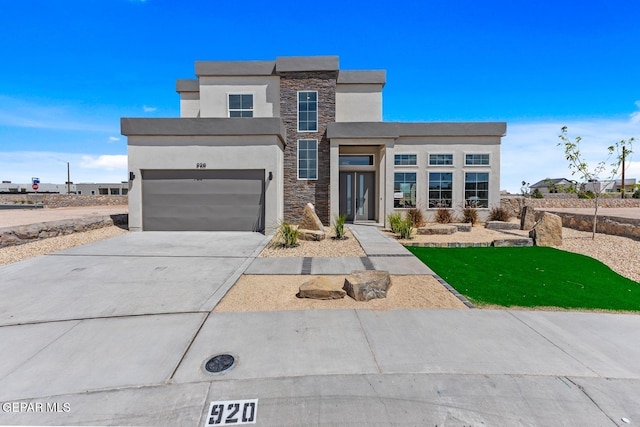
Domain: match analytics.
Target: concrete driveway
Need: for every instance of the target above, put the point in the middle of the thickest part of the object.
(117, 333)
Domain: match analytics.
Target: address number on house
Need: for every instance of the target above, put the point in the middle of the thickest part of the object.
(201, 165)
(232, 412)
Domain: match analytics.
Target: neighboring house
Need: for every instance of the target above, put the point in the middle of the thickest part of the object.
(257, 140)
(81, 189)
(108, 189)
(552, 185)
(611, 186)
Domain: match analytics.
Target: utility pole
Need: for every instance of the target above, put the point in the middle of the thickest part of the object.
(624, 153)
(69, 180)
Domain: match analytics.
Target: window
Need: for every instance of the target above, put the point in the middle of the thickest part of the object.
(476, 189)
(307, 159)
(440, 159)
(114, 191)
(307, 111)
(356, 160)
(404, 190)
(125, 191)
(440, 189)
(240, 105)
(405, 160)
(103, 191)
(476, 159)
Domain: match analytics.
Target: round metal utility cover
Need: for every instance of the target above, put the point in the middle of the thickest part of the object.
(220, 363)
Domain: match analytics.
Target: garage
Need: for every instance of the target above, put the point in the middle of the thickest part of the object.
(203, 200)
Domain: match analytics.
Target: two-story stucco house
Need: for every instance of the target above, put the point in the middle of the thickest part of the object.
(257, 140)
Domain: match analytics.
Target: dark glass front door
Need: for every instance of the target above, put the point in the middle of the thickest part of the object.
(357, 195)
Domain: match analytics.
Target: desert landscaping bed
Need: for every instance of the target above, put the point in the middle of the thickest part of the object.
(329, 247)
(270, 293)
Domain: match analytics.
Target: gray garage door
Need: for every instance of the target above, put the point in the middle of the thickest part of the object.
(203, 200)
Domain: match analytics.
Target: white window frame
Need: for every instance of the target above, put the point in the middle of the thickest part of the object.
(406, 171)
(298, 160)
(429, 188)
(440, 164)
(298, 110)
(477, 164)
(395, 165)
(229, 109)
(488, 187)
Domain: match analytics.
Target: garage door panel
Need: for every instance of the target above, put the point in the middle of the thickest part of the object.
(205, 200)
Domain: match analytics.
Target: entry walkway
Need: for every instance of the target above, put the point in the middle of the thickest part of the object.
(382, 253)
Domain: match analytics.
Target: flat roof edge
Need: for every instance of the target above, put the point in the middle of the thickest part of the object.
(235, 68)
(400, 129)
(362, 77)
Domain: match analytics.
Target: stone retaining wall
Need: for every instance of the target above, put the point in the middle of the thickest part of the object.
(18, 235)
(626, 227)
(516, 203)
(63, 200)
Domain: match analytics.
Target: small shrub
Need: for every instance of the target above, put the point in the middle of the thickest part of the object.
(498, 213)
(444, 216)
(288, 235)
(636, 194)
(417, 218)
(586, 194)
(394, 221)
(537, 194)
(338, 226)
(470, 214)
(405, 228)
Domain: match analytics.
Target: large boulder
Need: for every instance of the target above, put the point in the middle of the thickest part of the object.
(310, 220)
(527, 218)
(547, 231)
(320, 288)
(364, 285)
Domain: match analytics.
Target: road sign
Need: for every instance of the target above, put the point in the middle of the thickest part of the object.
(35, 181)
(35, 186)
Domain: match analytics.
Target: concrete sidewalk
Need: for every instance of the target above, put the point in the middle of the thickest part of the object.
(118, 333)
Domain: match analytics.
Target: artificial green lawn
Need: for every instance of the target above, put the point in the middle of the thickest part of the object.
(531, 277)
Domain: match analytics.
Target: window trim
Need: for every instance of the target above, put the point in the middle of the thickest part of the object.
(403, 171)
(298, 159)
(395, 165)
(229, 109)
(298, 111)
(477, 154)
(429, 187)
(464, 189)
(441, 154)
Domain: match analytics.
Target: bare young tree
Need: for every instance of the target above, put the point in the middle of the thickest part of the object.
(619, 152)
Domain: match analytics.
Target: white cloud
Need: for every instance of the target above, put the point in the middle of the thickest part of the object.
(51, 167)
(114, 139)
(149, 109)
(635, 116)
(530, 153)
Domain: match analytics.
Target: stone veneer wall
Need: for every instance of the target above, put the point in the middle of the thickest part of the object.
(62, 200)
(297, 193)
(627, 227)
(517, 202)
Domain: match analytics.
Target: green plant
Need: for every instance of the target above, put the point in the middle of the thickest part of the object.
(537, 194)
(586, 194)
(417, 218)
(636, 194)
(405, 228)
(288, 235)
(498, 213)
(338, 226)
(394, 221)
(444, 216)
(470, 214)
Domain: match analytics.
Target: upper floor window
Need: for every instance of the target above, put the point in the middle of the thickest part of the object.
(308, 111)
(476, 159)
(405, 160)
(241, 105)
(307, 159)
(440, 159)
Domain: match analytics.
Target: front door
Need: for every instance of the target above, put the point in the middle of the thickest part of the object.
(357, 195)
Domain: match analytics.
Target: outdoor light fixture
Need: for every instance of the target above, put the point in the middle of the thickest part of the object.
(131, 176)
(270, 176)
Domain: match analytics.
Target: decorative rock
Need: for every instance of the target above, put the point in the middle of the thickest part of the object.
(464, 227)
(320, 288)
(501, 225)
(437, 229)
(503, 243)
(547, 231)
(311, 235)
(527, 218)
(310, 220)
(364, 285)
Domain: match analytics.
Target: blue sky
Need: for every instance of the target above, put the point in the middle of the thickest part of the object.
(71, 69)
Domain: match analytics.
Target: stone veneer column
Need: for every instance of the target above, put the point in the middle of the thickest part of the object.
(297, 193)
